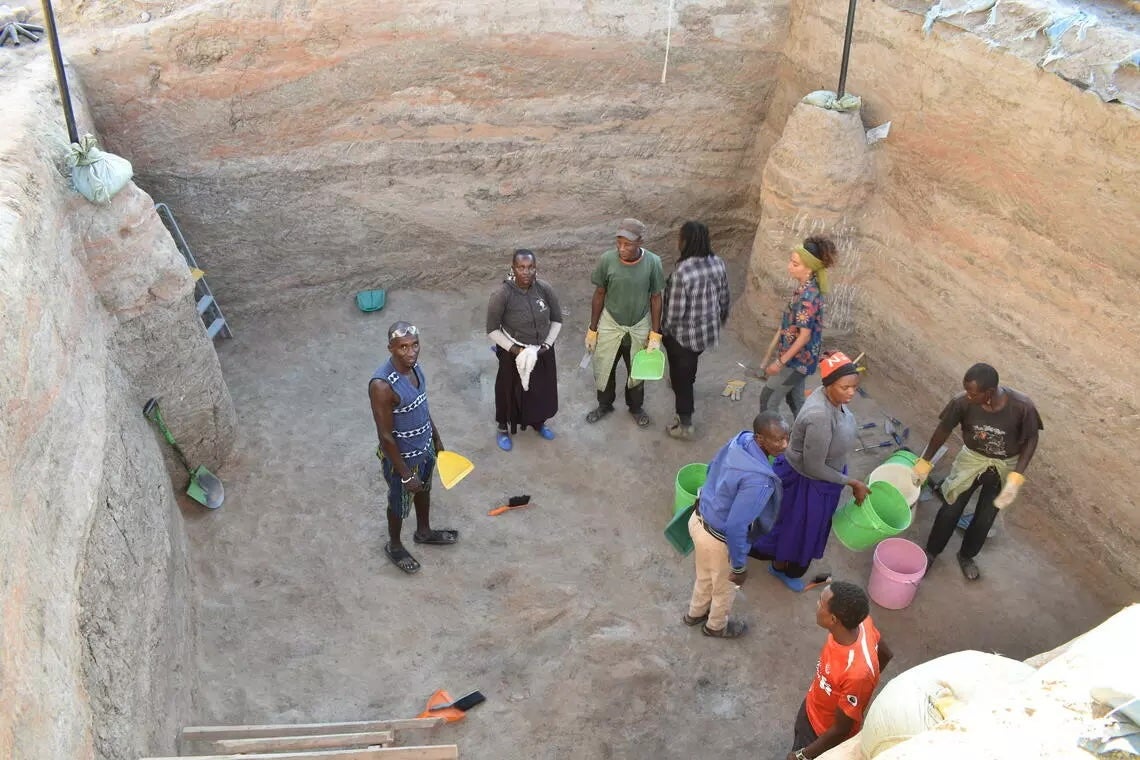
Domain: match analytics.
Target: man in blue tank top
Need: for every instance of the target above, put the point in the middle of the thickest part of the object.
(408, 443)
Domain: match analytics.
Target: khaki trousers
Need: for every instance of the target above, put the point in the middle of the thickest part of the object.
(713, 591)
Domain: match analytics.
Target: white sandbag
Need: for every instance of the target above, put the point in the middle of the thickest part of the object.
(96, 174)
(922, 697)
(848, 750)
(826, 99)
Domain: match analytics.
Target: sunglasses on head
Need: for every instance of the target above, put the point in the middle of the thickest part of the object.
(403, 332)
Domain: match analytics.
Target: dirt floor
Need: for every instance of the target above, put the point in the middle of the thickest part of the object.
(567, 614)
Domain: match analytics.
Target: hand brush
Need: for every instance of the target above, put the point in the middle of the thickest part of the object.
(515, 502)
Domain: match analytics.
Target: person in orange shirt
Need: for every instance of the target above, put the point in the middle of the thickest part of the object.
(846, 673)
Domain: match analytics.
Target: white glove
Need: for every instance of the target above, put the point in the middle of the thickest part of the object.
(525, 362)
(1013, 483)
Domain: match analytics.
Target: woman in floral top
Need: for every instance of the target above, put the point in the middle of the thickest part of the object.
(798, 342)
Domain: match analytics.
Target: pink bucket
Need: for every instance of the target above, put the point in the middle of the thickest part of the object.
(896, 571)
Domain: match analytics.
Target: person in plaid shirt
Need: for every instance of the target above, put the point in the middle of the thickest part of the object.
(696, 307)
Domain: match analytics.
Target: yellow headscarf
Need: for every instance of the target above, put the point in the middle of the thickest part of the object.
(816, 266)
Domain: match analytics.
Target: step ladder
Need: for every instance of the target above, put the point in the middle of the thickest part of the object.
(208, 308)
(359, 740)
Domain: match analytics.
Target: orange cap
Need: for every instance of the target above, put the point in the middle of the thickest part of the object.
(833, 362)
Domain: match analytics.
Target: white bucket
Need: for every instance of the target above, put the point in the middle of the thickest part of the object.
(900, 476)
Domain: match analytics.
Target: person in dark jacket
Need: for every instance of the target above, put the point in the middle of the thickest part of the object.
(523, 321)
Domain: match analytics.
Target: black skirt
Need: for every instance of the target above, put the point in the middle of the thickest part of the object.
(532, 408)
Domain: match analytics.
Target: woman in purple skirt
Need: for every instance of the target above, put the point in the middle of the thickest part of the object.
(813, 472)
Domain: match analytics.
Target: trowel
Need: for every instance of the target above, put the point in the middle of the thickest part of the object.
(205, 487)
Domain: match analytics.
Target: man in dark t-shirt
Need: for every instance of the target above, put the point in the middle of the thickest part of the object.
(999, 428)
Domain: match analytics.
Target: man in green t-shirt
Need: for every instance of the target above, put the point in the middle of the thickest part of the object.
(625, 315)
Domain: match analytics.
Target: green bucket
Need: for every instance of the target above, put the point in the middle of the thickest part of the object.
(884, 513)
(690, 478)
(902, 456)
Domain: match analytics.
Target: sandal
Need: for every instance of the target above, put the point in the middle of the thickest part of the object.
(504, 440)
(402, 559)
(598, 413)
(733, 629)
(641, 417)
(545, 432)
(690, 621)
(969, 568)
(437, 538)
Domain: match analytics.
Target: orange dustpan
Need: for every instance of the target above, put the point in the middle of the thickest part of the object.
(450, 714)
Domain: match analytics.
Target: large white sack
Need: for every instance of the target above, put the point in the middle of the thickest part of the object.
(927, 694)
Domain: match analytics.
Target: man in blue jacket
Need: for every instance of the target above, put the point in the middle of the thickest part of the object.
(739, 501)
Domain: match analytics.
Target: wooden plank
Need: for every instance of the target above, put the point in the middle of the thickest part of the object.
(208, 733)
(317, 741)
(438, 752)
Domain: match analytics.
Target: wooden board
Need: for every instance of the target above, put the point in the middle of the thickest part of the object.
(209, 733)
(439, 752)
(316, 741)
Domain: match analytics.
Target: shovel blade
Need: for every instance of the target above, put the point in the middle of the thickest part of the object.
(206, 489)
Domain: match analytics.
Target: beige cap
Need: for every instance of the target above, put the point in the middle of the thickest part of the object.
(631, 229)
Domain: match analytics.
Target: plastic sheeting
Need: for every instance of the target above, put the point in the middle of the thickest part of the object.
(937, 13)
(1085, 49)
(1059, 27)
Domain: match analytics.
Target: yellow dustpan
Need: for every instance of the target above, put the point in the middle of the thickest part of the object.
(452, 467)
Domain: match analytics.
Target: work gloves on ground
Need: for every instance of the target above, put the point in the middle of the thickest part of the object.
(1013, 483)
(922, 470)
(654, 342)
(733, 389)
(591, 340)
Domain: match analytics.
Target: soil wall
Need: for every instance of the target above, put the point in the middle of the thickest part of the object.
(323, 147)
(96, 609)
(1001, 229)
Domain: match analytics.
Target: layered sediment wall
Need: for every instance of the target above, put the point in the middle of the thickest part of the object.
(96, 601)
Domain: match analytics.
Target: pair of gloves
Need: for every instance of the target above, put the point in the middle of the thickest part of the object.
(1013, 483)
(653, 344)
(733, 389)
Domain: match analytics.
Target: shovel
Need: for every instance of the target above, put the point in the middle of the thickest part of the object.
(204, 487)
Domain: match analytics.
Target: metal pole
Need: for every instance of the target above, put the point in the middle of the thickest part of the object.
(60, 76)
(846, 47)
